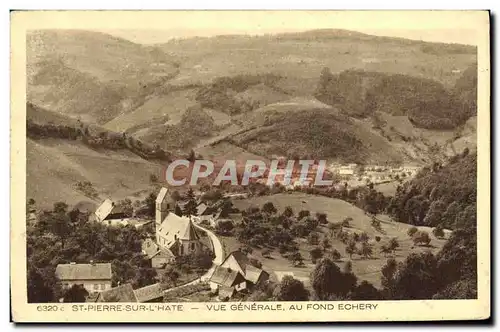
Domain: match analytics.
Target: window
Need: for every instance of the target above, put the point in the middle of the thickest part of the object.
(103, 286)
(96, 286)
(192, 246)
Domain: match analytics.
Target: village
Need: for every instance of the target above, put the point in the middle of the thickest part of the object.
(175, 236)
(186, 228)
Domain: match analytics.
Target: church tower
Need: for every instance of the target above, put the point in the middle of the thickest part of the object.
(164, 205)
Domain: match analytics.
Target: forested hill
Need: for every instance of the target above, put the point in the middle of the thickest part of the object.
(426, 102)
(440, 195)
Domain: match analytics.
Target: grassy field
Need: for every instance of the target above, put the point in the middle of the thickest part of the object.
(336, 210)
(54, 166)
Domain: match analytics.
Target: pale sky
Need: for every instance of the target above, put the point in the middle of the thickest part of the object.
(159, 26)
(438, 26)
(162, 36)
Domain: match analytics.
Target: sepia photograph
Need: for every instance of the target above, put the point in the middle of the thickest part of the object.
(255, 168)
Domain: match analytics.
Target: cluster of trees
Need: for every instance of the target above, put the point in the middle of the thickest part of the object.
(221, 94)
(62, 236)
(101, 139)
(192, 264)
(195, 123)
(427, 103)
(440, 196)
(309, 134)
(87, 189)
(266, 228)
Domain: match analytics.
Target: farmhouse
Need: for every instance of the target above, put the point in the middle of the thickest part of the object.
(235, 274)
(110, 214)
(94, 277)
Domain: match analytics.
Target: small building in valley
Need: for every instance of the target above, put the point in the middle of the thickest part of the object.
(94, 277)
(235, 274)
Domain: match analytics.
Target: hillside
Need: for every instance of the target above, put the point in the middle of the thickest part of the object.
(336, 211)
(315, 134)
(439, 195)
(91, 75)
(54, 167)
(426, 103)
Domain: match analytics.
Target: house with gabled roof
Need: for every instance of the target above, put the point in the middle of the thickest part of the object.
(150, 293)
(122, 293)
(236, 273)
(94, 277)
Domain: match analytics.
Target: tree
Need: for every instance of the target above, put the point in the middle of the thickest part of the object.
(393, 244)
(385, 250)
(288, 212)
(321, 217)
(329, 282)
(421, 238)
(313, 238)
(296, 258)
(335, 255)
(411, 231)
(346, 222)
(364, 237)
(190, 209)
(290, 289)
(355, 237)
(224, 227)
(435, 214)
(303, 214)
(325, 243)
(366, 250)
(316, 253)
(170, 276)
(387, 279)
(450, 215)
(417, 269)
(76, 293)
(438, 232)
(366, 291)
(347, 267)
(351, 249)
(153, 178)
(269, 208)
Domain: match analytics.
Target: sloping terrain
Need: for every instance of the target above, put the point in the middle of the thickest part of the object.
(54, 166)
(336, 211)
(91, 75)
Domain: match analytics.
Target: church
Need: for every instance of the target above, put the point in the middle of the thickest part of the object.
(173, 233)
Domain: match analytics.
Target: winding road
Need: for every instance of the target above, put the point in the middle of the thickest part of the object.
(219, 257)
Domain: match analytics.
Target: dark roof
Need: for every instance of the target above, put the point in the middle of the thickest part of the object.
(224, 276)
(163, 253)
(123, 293)
(251, 272)
(149, 247)
(97, 271)
(201, 209)
(149, 292)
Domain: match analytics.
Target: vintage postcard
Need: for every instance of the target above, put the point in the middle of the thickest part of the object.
(260, 166)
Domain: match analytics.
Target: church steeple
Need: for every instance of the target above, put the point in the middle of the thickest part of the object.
(163, 206)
